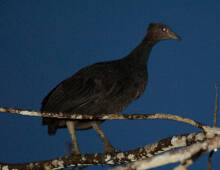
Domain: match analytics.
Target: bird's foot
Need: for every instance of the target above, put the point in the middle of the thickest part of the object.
(110, 149)
(76, 152)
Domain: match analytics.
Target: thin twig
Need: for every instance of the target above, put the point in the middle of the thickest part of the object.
(216, 106)
(214, 124)
(104, 116)
(210, 160)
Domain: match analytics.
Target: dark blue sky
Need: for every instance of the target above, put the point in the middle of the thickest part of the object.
(44, 42)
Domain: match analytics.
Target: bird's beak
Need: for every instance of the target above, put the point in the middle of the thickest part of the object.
(172, 35)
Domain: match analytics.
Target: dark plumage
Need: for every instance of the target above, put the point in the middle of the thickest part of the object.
(102, 88)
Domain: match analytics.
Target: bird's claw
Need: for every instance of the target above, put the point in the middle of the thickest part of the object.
(110, 149)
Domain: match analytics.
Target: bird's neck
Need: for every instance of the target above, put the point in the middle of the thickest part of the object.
(140, 55)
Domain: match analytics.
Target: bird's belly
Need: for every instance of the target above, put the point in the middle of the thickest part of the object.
(113, 103)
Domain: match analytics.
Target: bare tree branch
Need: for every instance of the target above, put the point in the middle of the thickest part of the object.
(148, 151)
(184, 165)
(112, 159)
(182, 155)
(104, 116)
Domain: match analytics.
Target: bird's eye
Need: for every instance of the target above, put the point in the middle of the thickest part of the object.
(164, 29)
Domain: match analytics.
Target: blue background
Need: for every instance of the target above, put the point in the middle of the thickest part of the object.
(44, 42)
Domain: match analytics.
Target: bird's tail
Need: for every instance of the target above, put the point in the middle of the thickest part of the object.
(52, 125)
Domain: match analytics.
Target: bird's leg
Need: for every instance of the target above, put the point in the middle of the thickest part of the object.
(71, 128)
(108, 148)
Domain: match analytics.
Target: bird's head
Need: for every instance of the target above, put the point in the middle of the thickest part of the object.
(158, 31)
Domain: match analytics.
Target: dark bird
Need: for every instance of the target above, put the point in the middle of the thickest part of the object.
(102, 88)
